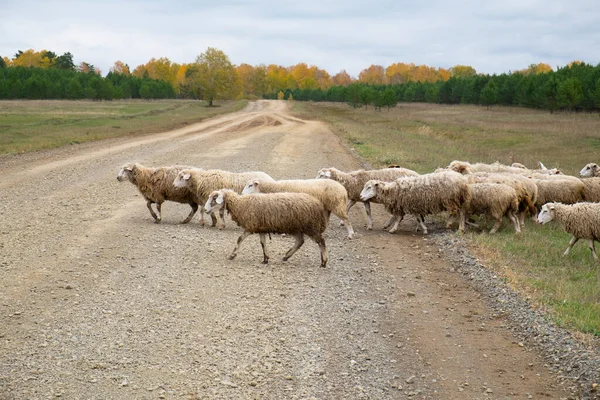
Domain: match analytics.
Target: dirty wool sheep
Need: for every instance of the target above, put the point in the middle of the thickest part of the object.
(582, 220)
(354, 182)
(156, 185)
(464, 167)
(203, 182)
(295, 214)
(560, 189)
(494, 199)
(421, 195)
(330, 193)
(590, 170)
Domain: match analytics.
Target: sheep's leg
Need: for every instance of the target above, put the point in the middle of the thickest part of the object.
(571, 243)
(213, 217)
(522, 219)
(348, 227)
(263, 243)
(496, 225)
(159, 217)
(461, 220)
(237, 245)
(297, 245)
(514, 219)
(369, 216)
(201, 216)
(399, 219)
(149, 205)
(321, 242)
(593, 248)
(192, 213)
(389, 222)
(421, 223)
(349, 205)
(222, 216)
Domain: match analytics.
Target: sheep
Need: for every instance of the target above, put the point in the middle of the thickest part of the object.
(518, 165)
(329, 192)
(591, 190)
(202, 182)
(590, 170)
(527, 190)
(582, 220)
(156, 185)
(421, 195)
(297, 214)
(496, 199)
(355, 181)
(561, 189)
(465, 167)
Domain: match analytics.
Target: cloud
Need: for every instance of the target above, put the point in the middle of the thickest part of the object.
(493, 37)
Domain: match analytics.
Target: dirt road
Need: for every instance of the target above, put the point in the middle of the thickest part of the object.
(98, 302)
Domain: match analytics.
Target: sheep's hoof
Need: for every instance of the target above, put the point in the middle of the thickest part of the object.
(285, 258)
(370, 228)
(231, 256)
(350, 236)
(323, 265)
(157, 221)
(265, 261)
(393, 230)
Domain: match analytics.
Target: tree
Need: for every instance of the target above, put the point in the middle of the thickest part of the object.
(342, 78)
(489, 94)
(570, 93)
(374, 75)
(65, 62)
(596, 94)
(2, 63)
(389, 98)
(462, 71)
(121, 68)
(215, 76)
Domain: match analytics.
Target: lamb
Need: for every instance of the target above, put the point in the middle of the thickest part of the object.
(590, 170)
(496, 199)
(202, 182)
(561, 189)
(421, 195)
(354, 183)
(156, 185)
(296, 214)
(330, 193)
(582, 220)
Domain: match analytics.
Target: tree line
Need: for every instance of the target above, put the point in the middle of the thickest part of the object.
(575, 87)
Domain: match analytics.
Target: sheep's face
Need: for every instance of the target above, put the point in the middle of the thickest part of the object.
(215, 201)
(125, 173)
(251, 187)
(370, 190)
(546, 214)
(325, 173)
(588, 170)
(182, 180)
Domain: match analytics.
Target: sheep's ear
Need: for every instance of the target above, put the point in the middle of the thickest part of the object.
(129, 168)
(542, 166)
(219, 199)
(255, 183)
(186, 177)
(551, 207)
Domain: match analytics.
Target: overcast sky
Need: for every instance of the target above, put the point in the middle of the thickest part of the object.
(491, 36)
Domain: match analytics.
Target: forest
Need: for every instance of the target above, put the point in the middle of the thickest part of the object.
(45, 75)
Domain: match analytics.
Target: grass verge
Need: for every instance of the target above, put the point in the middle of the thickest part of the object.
(42, 124)
(424, 136)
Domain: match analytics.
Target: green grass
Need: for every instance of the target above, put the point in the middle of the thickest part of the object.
(424, 137)
(35, 125)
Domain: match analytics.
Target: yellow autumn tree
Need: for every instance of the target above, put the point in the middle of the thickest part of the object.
(342, 78)
(214, 76)
(119, 67)
(462, 71)
(374, 75)
(28, 58)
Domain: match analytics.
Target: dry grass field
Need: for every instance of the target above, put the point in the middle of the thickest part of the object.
(40, 124)
(424, 136)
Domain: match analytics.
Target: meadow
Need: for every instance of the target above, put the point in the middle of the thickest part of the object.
(41, 124)
(424, 137)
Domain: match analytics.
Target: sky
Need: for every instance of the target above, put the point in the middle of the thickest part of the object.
(491, 36)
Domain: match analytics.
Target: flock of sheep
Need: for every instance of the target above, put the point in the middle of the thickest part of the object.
(260, 204)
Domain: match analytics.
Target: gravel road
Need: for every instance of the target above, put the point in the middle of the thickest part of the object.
(98, 302)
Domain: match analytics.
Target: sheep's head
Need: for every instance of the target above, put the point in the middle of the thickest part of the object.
(546, 213)
(372, 189)
(216, 201)
(590, 169)
(251, 187)
(462, 167)
(183, 179)
(125, 174)
(324, 173)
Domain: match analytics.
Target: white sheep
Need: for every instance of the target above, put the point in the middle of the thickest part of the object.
(590, 170)
(156, 185)
(354, 183)
(582, 220)
(591, 190)
(495, 199)
(202, 182)
(329, 192)
(296, 214)
(421, 195)
(558, 188)
(465, 167)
